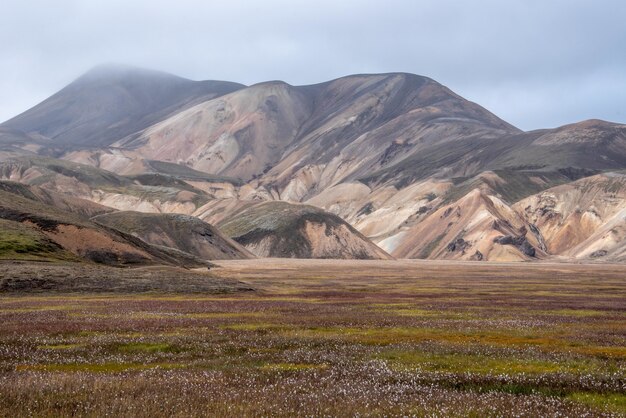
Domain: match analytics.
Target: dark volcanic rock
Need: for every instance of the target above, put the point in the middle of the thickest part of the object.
(478, 256)
(458, 244)
(520, 242)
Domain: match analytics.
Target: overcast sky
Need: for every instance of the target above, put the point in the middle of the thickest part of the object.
(535, 63)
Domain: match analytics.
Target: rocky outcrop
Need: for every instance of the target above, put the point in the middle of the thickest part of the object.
(520, 242)
(475, 227)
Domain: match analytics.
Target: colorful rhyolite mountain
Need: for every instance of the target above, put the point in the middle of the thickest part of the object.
(325, 170)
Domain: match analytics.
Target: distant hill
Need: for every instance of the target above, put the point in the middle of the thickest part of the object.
(181, 232)
(280, 229)
(34, 230)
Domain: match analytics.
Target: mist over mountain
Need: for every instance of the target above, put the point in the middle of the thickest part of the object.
(112, 101)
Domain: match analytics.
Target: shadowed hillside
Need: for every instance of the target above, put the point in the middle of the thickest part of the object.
(182, 232)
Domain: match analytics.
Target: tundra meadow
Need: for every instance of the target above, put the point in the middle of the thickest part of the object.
(327, 338)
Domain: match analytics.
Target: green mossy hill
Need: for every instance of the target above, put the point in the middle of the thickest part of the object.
(181, 232)
(279, 217)
(19, 242)
(279, 229)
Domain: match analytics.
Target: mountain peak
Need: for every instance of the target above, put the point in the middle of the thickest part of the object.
(111, 101)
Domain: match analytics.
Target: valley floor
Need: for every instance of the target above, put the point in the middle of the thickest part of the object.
(324, 338)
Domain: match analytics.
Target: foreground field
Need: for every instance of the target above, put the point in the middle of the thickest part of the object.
(327, 338)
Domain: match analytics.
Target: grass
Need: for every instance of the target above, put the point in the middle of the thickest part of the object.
(188, 173)
(59, 347)
(470, 340)
(460, 362)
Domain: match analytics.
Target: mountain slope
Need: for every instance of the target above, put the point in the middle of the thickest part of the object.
(181, 232)
(237, 135)
(475, 227)
(590, 145)
(366, 123)
(280, 229)
(67, 203)
(41, 230)
(583, 219)
(298, 140)
(150, 192)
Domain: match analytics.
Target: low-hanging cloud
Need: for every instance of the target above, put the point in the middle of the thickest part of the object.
(533, 63)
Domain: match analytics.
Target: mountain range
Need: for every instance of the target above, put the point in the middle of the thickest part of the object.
(364, 166)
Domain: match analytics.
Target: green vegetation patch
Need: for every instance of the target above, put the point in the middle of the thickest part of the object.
(136, 347)
(225, 315)
(255, 327)
(578, 313)
(482, 364)
(610, 402)
(20, 242)
(411, 311)
(188, 173)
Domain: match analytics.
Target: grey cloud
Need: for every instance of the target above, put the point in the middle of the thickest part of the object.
(534, 63)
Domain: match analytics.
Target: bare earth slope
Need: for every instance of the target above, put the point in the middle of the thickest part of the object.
(476, 227)
(60, 201)
(583, 219)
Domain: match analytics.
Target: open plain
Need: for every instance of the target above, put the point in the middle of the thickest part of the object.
(318, 338)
